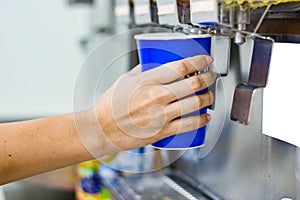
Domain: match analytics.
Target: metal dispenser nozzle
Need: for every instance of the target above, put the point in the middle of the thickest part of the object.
(131, 13)
(154, 11)
(184, 11)
(241, 19)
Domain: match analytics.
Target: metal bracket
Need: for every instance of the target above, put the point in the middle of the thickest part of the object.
(258, 77)
(220, 51)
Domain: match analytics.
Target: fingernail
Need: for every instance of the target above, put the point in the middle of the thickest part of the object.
(209, 60)
(208, 117)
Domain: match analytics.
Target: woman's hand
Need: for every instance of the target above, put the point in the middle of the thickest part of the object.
(141, 108)
(138, 109)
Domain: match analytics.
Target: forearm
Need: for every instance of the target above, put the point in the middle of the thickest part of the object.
(139, 109)
(31, 147)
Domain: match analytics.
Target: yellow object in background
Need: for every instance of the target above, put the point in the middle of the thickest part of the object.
(255, 3)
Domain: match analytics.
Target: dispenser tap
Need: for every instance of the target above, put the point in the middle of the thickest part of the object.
(258, 76)
(184, 11)
(131, 14)
(154, 11)
(241, 17)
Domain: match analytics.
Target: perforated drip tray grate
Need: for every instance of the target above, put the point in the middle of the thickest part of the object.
(157, 186)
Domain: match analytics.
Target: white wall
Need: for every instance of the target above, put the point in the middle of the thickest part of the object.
(40, 56)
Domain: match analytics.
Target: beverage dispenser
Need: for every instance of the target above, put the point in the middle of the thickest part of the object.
(238, 161)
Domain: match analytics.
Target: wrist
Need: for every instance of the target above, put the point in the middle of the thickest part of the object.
(91, 134)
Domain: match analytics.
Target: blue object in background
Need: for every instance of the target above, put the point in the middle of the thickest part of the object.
(92, 185)
(156, 49)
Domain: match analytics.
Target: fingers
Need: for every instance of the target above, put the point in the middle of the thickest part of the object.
(189, 104)
(135, 71)
(191, 85)
(186, 124)
(175, 70)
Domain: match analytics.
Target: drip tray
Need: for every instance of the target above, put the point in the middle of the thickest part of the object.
(157, 186)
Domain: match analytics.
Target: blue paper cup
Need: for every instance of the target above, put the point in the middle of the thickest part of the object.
(156, 49)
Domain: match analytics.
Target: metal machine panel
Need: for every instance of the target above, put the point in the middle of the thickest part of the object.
(244, 164)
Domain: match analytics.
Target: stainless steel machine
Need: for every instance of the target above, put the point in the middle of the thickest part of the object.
(239, 163)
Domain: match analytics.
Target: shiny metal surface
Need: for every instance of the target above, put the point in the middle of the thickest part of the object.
(157, 186)
(221, 58)
(244, 164)
(241, 105)
(258, 76)
(154, 11)
(241, 17)
(260, 62)
(184, 11)
(241, 164)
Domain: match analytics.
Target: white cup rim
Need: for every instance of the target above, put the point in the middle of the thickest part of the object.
(168, 36)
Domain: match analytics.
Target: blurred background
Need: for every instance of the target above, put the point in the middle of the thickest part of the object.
(43, 47)
(43, 52)
(40, 57)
